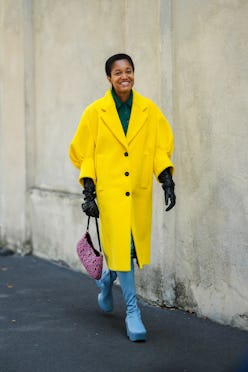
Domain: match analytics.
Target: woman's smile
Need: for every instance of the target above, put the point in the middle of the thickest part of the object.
(122, 78)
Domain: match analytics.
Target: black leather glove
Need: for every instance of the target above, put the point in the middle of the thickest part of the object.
(168, 185)
(89, 206)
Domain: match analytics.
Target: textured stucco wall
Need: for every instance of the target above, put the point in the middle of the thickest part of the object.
(13, 202)
(210, 62)
(191, 58)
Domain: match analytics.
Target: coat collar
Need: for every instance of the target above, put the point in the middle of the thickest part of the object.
(118, 103)
(111, 119)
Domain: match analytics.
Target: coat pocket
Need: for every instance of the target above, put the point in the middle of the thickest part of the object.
(100, 176)
(146, 173)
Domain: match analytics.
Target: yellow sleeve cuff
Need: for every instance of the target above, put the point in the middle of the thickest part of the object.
(87, 170)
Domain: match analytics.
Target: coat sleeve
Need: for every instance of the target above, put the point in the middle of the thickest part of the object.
(164, 145)
(82, 149)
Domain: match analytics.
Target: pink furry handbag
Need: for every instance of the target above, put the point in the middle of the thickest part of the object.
(90, 257)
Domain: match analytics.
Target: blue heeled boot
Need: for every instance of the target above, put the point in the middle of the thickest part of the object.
(105, 297)
(135, 328)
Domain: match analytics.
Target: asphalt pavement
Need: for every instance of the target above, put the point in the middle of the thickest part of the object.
(50, 322)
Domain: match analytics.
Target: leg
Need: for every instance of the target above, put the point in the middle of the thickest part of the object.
(105, 297)
(135, 328)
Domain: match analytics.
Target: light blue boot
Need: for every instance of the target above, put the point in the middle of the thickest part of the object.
(135, 328)
(105, 297)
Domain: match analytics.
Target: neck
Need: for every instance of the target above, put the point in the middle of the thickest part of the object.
(123, 97)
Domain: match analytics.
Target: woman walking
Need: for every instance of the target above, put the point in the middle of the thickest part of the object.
(122, 140)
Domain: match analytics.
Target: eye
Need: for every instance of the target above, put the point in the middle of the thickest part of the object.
(117, 73)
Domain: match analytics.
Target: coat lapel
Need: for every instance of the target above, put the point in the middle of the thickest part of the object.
(110, 118)
(138, 116)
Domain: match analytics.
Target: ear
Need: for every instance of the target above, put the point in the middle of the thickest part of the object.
(109, 79)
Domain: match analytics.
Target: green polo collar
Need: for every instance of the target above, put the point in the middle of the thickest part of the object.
(118, 102)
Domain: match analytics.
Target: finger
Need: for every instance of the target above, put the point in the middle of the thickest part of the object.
(172, 204)
(170, 207)
(95, 211)
(166, 198)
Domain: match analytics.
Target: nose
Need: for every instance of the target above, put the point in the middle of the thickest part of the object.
(124, 75)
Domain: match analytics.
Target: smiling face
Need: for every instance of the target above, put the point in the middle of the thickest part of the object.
(122, 78)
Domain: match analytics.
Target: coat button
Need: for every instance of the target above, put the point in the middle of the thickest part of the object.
(126, 173)
(125, 153)
(127, 193)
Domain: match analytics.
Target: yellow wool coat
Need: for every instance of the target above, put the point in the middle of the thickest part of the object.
(122, 168)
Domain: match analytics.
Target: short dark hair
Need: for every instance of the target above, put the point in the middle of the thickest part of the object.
(116, 57)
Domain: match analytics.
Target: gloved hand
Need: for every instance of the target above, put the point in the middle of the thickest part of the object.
(168, 185)
(89, 206)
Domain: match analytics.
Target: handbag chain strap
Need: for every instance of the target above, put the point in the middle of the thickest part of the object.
(97, 229)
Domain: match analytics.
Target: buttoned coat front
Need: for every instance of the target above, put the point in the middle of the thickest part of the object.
(122, 168)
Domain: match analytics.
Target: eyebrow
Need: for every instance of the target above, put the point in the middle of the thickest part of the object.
(118, 70)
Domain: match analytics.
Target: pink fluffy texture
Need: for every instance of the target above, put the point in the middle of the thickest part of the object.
(90, 257)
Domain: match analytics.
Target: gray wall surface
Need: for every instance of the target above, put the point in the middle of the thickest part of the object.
(191, 58)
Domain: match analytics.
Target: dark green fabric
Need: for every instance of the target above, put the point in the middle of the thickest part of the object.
(123, 109)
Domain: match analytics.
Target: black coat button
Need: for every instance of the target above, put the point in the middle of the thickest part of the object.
(127, 193)
(126, 173)
(125, 153)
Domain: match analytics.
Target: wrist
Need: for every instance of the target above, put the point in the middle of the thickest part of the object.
(165, 178)
(89, 185)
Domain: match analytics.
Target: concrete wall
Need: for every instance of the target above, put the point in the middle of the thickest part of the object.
(13, 140)
(191, 58)
(210, 63)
